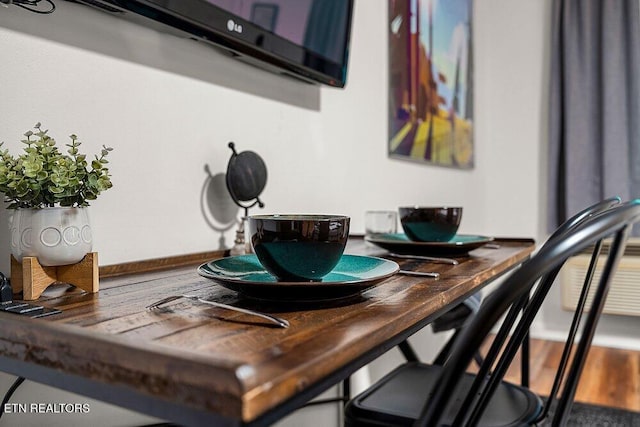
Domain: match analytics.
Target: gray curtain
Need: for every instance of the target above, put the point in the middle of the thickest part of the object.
(594, 110)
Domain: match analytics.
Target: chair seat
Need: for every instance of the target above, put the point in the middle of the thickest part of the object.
(397, 399)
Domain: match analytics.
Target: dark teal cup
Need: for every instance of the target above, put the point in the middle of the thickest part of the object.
(430, 224)
(295, 247)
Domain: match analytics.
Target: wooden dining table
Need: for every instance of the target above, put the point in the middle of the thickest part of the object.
(199, 365)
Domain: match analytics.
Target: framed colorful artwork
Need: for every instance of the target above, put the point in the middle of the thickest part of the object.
(431, 82)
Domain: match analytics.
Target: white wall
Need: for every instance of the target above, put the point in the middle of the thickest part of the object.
(140, 94)
(169, 106)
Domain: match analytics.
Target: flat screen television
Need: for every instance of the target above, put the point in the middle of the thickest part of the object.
(307, 39)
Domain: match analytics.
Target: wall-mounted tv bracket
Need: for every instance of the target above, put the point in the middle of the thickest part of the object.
(246, 177)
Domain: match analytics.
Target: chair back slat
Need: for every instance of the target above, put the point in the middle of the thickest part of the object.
(575, 323)
(513, 342)
(484, 373)
(571, 383)
(585, 214)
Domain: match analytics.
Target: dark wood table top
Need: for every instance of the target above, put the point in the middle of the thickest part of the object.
(195, 364)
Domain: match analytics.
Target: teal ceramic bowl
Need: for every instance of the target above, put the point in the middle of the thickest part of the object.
(296, 247)
(430, 224)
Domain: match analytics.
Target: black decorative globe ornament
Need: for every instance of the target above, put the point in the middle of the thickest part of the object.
(246, 178)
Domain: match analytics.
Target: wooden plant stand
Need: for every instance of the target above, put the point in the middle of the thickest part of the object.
(31, 278)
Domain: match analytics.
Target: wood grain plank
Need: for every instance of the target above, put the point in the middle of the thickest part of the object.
(160, 264)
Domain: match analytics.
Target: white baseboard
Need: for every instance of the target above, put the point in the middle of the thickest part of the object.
(624, 343)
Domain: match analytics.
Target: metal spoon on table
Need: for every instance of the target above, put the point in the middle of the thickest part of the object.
(431, 274)
(425, 258)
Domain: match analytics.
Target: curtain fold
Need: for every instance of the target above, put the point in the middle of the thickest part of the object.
(594, 123)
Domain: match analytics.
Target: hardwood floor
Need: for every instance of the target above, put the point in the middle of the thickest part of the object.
(611, 377)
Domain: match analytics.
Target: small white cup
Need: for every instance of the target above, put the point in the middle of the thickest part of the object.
(380, 222)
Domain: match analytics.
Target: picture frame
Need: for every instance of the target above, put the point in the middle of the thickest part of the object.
(431, 82)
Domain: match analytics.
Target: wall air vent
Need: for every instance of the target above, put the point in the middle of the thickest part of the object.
(624, 294)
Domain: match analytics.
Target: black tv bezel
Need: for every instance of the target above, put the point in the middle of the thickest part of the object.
(207, 22)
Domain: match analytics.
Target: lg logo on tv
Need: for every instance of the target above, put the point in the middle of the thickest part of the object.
(232, 26)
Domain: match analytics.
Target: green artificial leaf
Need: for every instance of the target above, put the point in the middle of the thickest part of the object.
(55, 189)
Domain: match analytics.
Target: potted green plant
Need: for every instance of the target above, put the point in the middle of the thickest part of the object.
(47, 193)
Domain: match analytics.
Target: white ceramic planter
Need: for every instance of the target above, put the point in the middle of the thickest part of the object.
(14, 233)
(56, 236)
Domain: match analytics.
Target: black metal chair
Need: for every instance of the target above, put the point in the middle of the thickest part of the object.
(432, 395)
(456, 318)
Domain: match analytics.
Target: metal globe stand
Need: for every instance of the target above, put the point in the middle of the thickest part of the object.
(246, 177)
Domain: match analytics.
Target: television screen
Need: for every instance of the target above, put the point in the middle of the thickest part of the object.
(308, 39)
